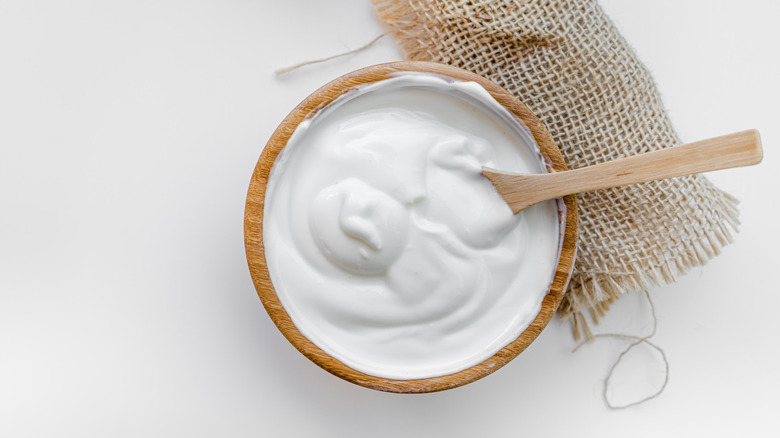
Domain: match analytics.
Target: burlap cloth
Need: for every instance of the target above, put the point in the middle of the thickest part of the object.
(567, 62)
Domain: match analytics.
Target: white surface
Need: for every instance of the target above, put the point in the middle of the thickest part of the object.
(128, 133)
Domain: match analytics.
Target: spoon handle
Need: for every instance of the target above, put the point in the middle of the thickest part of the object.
(733, 150)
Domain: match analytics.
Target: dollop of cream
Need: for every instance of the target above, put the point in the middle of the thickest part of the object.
(358, 227)
(385, 244)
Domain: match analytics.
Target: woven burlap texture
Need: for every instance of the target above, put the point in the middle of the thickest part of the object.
(568, 63)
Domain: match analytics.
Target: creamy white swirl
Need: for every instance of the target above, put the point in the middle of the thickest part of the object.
(385, 244)
(358, 227)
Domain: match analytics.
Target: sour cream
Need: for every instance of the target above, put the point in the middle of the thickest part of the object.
(385, 244)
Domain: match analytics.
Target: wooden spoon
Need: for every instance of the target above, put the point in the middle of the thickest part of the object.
(521, 191)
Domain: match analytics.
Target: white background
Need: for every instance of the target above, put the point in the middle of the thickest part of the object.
(128, 134)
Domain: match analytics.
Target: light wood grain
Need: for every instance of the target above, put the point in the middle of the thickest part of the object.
(253, 231)
(521, 191)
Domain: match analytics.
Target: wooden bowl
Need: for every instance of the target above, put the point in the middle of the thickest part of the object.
(253, 231)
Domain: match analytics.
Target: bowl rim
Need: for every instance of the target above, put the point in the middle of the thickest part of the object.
(255, 250)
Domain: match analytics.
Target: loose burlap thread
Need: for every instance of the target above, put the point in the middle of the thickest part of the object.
(568, 63)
